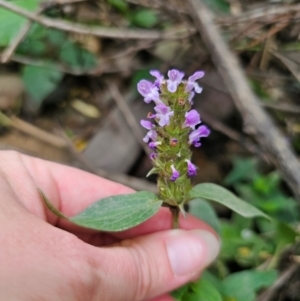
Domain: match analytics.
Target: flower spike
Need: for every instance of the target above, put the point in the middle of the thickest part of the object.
(172, 128)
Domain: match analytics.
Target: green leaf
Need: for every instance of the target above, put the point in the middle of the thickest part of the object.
(221, 195)
(218, 5)
(40, 82)
(145, 18)
(114, 213)
(204, 211)
(179, 293)
(119, 4)
(205, 291)
(243, 169)
(11, 23)
(77, 57)
(242, 286)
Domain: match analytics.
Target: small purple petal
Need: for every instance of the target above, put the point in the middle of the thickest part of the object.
(150, 135)
(192, 118)
(144, 87)
(197, 88)
(159, 77)
(153, 156)
(197, 75)
(191, 96)
(147, 124)
(192, 169)
(172, 86)
(191, 84)
(163, 114)
(153, 145)
(175, 174)
(175, 75)
(195, 135)
(175, 78)
(148, 91)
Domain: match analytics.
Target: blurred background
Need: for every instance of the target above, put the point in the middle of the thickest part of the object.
(68, 76)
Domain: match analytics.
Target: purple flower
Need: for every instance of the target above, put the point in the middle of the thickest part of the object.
(150, 135)
(148, 91)
(192, 169)
(163, 113)
(174, 80)
(191, 83)
(153, 156)
(175, 174)
(159, 77)
(147, 124)
(195, 135)
(153, 145)
(191, 96)
(192, 118)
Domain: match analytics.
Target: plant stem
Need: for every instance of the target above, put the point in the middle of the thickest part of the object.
(175, 217)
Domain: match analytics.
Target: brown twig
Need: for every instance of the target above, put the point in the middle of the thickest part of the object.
(293, 109)
(129, 117)
(230, 133)
(9, 51)
(52, 66)
(31, 130)
(256, 120)
(49, 3)
(115, 33)
(263, 14)
(278, 284)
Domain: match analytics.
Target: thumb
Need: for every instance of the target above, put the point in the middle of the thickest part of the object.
(151, 265)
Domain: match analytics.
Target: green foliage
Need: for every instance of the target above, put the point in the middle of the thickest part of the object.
(40, 82)
(221, 195)
(239, 286)
(145, 18)
(201, 290)
(204, 211)
(48, 47)
(242, 286)
(115, 213)
(122, 5)
(11, 23)
(75, 57)
(263, 191)
(57, 46)
(218, 5)
(254, 245)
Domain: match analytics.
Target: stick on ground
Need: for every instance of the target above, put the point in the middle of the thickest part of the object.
(256, 121)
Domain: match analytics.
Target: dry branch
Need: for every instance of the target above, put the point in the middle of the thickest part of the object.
(256, 120)
(114, 33)
(263, 14)
(128, 115)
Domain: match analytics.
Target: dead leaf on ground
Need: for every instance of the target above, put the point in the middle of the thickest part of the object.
(11, 91)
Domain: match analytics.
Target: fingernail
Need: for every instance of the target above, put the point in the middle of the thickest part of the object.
(191, 251)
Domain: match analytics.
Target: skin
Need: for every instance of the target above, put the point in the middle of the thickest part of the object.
(45, 258)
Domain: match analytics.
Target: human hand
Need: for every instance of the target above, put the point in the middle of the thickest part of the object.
(45, 258)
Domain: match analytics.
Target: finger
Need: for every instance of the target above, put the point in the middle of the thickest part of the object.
(72, 190)
(159, 222)
(151, 265)
(165, 297)
(163, 221)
